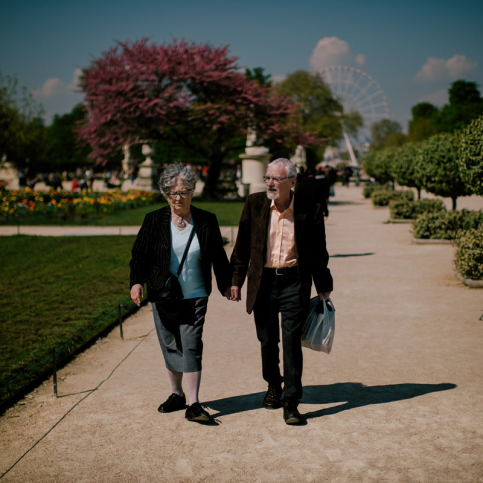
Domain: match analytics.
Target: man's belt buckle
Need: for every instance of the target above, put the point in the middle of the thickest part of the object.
(281, 272)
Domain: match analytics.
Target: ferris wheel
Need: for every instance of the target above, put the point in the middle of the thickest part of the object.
(357, 92)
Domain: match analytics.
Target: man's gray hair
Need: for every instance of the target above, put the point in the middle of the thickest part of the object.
(290, 168)
(172, 174)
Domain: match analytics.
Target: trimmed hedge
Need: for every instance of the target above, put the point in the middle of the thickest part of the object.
(446, 225)
(370, 188)
(410, 210)
(469, 254)
(383, 197)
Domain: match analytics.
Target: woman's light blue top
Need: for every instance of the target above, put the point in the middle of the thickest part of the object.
(190, 278)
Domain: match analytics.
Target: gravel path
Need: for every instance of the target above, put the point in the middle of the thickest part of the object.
(399, 398)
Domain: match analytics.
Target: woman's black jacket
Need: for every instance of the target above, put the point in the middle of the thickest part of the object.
(151, 253)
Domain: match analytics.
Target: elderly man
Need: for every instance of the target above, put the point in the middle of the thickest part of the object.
(280, 248)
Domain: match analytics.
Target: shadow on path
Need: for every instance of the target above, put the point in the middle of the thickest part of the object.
(352, 394)
(352, 255)
(340, 203)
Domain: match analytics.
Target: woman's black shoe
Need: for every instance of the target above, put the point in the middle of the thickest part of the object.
(195, 412)
(173, 403)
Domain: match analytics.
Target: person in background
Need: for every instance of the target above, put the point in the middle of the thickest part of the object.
(156, 254)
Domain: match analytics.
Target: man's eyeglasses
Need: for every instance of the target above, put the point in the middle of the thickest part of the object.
(276, 179)
(181, 194)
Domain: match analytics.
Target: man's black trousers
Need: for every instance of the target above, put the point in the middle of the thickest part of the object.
(281, 294)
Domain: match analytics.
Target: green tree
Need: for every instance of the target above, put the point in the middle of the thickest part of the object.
(404, 168)
(465, 104)
(470, 155)
(422, 125)
(63, 148)
(317, 110)
(21, 126)
(386, 133)
(438, 169)
(379, 164)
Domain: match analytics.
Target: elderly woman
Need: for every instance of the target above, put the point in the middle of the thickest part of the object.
(157, 254)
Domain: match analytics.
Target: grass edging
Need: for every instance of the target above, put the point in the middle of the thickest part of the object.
(468, 281)
(30, 386)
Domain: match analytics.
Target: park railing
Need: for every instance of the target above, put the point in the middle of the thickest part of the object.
(57, 356)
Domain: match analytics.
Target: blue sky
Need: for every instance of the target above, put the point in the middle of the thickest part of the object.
(413, 49)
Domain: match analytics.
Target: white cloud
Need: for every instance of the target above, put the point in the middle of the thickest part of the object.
(74, 83)
(276, 79)
(51, 87)
(54, 87)
(360, 59)
(441, 69)
(438, 98)
(334, 51)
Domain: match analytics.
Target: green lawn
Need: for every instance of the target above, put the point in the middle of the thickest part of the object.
(227, 212)
(51, 289)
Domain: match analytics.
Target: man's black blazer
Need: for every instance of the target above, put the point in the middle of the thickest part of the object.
(151, 253)
(249, 253)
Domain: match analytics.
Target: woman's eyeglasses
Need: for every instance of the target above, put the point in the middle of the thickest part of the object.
(181, 194)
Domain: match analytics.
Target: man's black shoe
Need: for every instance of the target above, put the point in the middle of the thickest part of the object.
(272, 398)
(173, 403)
(291, 414)
(195, 412)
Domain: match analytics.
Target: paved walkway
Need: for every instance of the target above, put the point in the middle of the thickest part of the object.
(398, 400)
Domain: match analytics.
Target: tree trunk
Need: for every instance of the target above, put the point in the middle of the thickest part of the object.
(419, 193)
(214, 170)
(454, 202)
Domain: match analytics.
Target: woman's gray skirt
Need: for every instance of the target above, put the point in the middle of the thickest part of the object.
(179, 325)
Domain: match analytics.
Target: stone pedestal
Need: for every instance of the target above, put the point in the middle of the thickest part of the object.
(148, 173)
(254, 167)
(9, 173)
(299, 159)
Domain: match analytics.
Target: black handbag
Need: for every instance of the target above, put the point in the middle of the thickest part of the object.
(171, 289)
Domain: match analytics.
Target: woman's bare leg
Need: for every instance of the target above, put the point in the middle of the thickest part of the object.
(193, 379)
(176, 378)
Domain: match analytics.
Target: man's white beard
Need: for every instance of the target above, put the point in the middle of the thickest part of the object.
(273, 195)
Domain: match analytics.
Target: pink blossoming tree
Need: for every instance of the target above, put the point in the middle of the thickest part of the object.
(191, 94)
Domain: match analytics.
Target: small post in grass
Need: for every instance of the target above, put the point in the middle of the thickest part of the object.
(120, 321)
(54, 371)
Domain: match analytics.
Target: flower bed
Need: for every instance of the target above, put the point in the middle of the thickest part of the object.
(65, 205)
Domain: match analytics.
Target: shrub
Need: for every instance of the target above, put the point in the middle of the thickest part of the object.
(383, 197)
(469, 158)
(446, 225)
(469, 254)
(410, 210)
(370, 188)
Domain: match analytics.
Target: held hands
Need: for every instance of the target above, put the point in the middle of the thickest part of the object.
(137, 293)
(235, 293)
(324, 296)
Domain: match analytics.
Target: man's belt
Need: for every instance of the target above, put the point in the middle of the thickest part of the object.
(282, 270)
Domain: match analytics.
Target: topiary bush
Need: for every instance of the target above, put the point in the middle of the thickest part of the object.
(446, 225)
(469, 254)
(370, 188)
(383, 197)
(410, 210)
